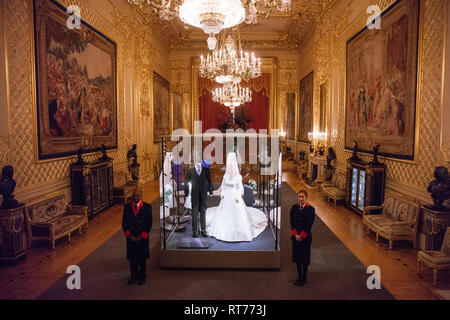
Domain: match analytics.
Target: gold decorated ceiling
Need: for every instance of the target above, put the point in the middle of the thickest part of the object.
(274, 30)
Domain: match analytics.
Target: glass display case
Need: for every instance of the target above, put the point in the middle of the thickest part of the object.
(365, 185)
(181, 246)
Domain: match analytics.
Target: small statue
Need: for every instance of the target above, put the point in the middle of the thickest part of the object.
(302, 155)
(331, 156)
(80, 156)
(321, 151)
(439, 189)
(104, 154)
(355, 157)
(375, 160)
(7, 187)
(311, 149)
(132, 152)
(134, 166)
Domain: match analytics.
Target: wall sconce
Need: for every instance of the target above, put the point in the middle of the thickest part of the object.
(318, 139)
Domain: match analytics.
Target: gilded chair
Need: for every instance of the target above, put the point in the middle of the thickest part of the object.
(336, 189)
(398, 221)
(437, 260)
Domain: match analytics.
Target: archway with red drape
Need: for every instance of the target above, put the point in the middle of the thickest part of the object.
(212, 114)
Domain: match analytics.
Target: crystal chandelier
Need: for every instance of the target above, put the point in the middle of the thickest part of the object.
(212, 16)
(254, 7)
(229, 64)
(232, 96)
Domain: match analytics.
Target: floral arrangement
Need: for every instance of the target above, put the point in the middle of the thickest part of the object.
(253, 184)
(167, 195)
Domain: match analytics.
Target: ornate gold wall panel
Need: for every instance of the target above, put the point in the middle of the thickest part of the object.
(19, 30)
(330, 40)
(287, 83)
(140, 54)
(180, 83)
(445, 106)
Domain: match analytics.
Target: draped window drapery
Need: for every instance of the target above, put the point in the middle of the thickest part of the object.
(212, 113)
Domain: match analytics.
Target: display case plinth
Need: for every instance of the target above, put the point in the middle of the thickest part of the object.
(202, 259)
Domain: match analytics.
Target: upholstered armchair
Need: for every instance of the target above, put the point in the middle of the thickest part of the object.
(437, 260)
(398, 220)
(301, 168)
(53, 218)
(335, 189)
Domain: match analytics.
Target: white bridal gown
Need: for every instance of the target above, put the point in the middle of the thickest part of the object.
(232, 220)
(166, 188)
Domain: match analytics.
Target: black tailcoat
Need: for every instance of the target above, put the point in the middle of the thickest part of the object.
(137, 225)
(201, 185)
(301, 224)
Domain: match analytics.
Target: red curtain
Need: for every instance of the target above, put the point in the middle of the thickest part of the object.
(212, 113)
(258, 110)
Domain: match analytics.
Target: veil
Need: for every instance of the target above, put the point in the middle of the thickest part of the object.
(167, 169)
(231, 171)
(232, 168)
(165, 187)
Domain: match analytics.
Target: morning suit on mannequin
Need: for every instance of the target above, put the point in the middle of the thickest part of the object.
(200, 180)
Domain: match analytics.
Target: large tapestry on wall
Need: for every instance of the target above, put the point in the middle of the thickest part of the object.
(75, 83)
(382, 83)
(290, 116)
(161, 111)
(306, 108)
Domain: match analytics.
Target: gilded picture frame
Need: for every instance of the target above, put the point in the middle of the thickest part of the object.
(306, 108)
(178, 112)
(290, 116)
(76, 85)
(382, 84)
(161, 107)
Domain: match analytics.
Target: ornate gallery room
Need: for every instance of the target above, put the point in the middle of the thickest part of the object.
(256, 150)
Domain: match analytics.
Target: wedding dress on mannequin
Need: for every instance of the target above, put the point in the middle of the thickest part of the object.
(166, 181)
(232, 220)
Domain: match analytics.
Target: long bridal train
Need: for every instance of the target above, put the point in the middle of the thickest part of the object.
(232, 220)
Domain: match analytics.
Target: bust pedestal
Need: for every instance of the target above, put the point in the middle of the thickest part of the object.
(432, 228)
(12, 227)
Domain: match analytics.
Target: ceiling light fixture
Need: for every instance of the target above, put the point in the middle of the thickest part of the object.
(229, 64)
(232, 96)
(212, 16)
(254, 8)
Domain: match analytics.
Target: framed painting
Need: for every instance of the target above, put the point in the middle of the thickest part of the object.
(382, 86)
(76, 85)
(177, 111)
(161, 107)
(323, 108)
(290, 116)
(306, 108)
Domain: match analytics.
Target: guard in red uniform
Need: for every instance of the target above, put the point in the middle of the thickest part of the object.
(136, 224)
(302, 219)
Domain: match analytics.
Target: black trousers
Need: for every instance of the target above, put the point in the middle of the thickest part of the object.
(302, 270)
(199, 209)
(138, 269)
